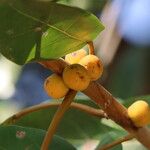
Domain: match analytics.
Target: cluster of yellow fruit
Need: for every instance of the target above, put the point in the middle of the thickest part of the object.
(83, 68)
(139, 113)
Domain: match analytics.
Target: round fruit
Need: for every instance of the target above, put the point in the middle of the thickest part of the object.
(139, 113)
(75, 57)
(55, 86)
(94, 66)
(76, 77)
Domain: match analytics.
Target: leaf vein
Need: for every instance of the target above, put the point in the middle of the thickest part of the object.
(51, 26)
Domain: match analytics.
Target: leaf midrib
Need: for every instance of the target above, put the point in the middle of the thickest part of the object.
(51, 26)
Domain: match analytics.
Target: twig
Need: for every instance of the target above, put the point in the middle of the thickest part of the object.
(56, 65)
(91, 48)
(115, 111)
(118, 141)
(87, 109)
(57, 118)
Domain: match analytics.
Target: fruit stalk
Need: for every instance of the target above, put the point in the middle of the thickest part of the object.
(57, 118)
(91, 48)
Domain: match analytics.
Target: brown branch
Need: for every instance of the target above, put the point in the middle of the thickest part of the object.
(56, 65)
(91, 48)
(115, 111)
(118, 141)
(87, 109)
(112, 107)
(57, 118)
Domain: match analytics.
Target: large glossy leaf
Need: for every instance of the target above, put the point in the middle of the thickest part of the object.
(33, 29)
(21, 138)
(75, 124)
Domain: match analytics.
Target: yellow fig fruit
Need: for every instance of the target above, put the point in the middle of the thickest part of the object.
(94, 66)
(74, 57)
(55, 86)
(139, 113)
(76, 77)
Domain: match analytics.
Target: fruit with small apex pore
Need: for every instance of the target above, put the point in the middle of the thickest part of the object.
(76, 77)
(94, 66)
(75, 57)
(139, 113)
(55, 86)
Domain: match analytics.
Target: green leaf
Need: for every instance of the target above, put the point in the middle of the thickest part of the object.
(39, 30)
(21, 138)
(109, 138)
(76, 125)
